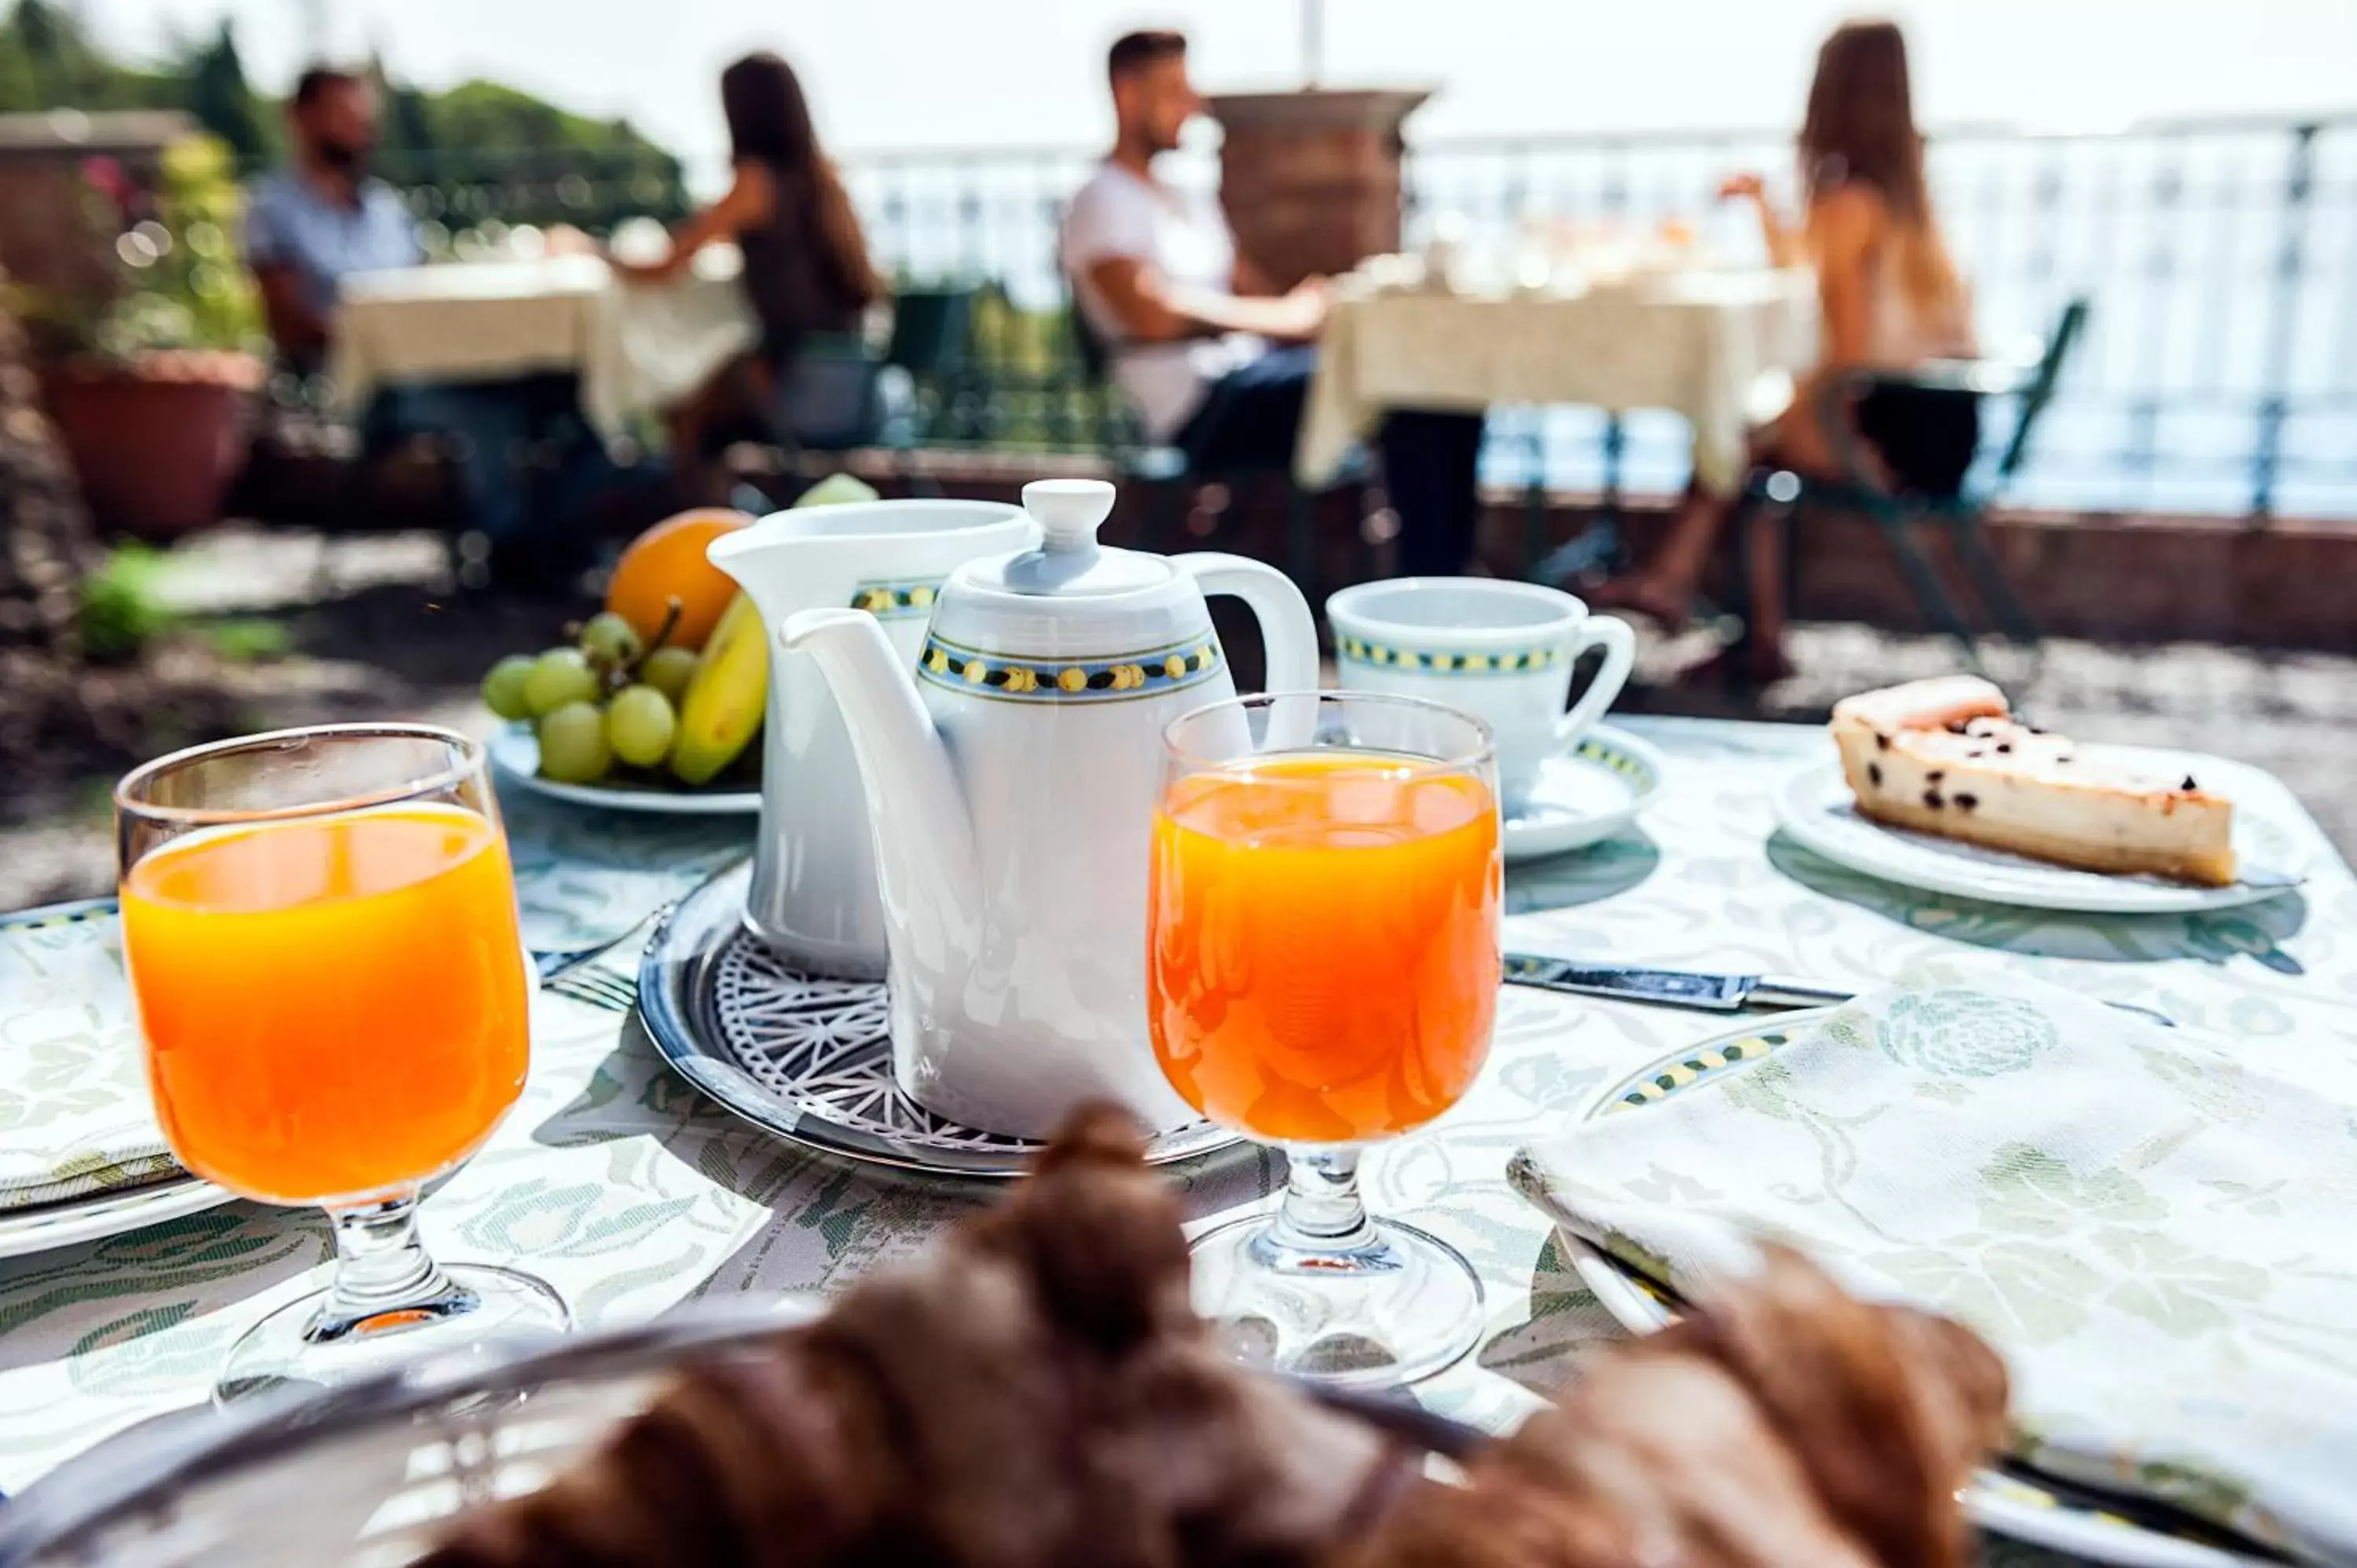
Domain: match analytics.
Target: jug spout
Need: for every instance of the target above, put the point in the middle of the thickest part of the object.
(924, 838)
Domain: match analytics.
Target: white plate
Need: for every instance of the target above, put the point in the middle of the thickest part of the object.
(1586, 795)
(516, 753)
(2010, 1504)
(101, 1215)
(1816, 809)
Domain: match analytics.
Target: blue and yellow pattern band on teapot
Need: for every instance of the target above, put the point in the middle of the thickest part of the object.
(1516, 661)
(1015, 677)
(896, 600)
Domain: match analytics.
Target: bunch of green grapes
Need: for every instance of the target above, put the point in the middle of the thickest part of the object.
(604, 699)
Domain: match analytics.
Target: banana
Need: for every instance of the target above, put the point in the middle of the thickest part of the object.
(720, 711)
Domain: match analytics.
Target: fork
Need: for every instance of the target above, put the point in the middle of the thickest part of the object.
(576, 973)
(597, 986)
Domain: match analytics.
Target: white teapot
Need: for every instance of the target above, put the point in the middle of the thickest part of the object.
(1011, 780)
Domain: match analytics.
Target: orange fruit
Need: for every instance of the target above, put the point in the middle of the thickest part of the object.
(667, 563)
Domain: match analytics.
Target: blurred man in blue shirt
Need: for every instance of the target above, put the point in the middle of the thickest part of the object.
(324, 217)
(309, 224)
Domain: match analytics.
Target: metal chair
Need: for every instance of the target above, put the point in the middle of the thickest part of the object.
(932, 352)
(1771, 493)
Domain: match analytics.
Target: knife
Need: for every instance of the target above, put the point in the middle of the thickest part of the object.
(1710, 993)
(1673, 987)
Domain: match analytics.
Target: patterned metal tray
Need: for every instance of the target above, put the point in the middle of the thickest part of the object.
(810, 1060)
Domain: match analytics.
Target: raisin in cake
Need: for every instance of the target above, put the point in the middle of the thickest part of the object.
(1946, 757)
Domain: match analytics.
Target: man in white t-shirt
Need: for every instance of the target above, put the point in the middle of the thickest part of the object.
(1212, 359)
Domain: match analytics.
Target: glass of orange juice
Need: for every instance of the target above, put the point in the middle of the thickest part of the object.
(320, 929)
(1322, 974)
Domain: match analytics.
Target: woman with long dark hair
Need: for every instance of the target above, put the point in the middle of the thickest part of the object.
(806, 266)
(1890, 298)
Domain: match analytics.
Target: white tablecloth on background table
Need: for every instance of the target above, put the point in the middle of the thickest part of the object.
(1696, 344)
(630, 1191)
(638, 348)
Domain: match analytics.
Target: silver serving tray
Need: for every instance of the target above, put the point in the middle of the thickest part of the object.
(810, 1060)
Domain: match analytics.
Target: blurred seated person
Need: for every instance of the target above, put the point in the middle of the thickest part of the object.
(324, 217)
(806, 270)
(1890, 298)
(1212, 359)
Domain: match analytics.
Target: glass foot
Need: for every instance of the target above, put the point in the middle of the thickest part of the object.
(472, 1311)
(1391, 1305)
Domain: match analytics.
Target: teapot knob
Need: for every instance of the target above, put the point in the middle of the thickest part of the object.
(1068, 513)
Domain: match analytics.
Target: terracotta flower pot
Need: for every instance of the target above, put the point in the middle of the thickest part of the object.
(156, 441)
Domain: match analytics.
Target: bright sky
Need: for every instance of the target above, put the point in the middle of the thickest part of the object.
(905, 73)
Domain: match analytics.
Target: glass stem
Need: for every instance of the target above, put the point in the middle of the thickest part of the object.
(1322, 1211)
(382, 1268)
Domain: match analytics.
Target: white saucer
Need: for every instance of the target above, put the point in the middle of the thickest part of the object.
(516, 753)
(1816, 809)
(1586, 795)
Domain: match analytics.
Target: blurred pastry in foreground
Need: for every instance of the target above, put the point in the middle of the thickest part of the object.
(1039, 1392)
(1946, 757)
(1787, 1422)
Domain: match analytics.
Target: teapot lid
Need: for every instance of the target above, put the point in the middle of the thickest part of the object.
(1069, 564)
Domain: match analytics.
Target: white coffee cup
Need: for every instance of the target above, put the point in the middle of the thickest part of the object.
(1503, 651)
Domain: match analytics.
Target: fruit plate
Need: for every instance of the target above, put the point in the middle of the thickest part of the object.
(515, 753)
(1816, 809)
(810, 1060)
(2013, 1501)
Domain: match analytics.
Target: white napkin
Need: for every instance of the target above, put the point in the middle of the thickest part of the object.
(75, 1114)
(2161, 1239)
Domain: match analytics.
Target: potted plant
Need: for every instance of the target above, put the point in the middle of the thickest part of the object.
(152, 391)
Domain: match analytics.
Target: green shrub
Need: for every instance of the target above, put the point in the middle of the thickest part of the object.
(122, 610)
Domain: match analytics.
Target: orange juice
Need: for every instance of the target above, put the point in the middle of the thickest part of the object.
(334, 1006)
(1324, 951)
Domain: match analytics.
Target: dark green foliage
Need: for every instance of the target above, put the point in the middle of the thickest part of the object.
(478, 150)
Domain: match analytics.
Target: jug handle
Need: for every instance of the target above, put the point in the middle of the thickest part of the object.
(1286, 630)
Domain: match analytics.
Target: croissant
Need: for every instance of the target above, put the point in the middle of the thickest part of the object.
(1788, 1423)
(1039, 1393)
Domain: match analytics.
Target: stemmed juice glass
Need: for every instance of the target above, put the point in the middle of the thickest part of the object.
(321, 933)
(1323, 974)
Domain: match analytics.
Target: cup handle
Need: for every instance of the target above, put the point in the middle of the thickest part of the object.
(1620, 645)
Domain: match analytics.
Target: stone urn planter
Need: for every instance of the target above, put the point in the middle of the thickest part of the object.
(155, 439)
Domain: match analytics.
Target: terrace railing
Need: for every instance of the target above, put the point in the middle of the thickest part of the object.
(2218, 374)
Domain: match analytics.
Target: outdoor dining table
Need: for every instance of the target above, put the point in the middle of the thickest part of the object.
(638, 348)
(1698, 343)
(631, 1193)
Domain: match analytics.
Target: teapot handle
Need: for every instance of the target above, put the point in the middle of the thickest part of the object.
(1286, 630)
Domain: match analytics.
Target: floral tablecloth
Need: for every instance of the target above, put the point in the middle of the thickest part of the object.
(630, 1193)
(1694, 344)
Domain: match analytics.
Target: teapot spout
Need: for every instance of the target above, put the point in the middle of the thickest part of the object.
(924, 838)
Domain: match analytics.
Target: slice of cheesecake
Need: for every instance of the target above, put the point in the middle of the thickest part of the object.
(1946, 757)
